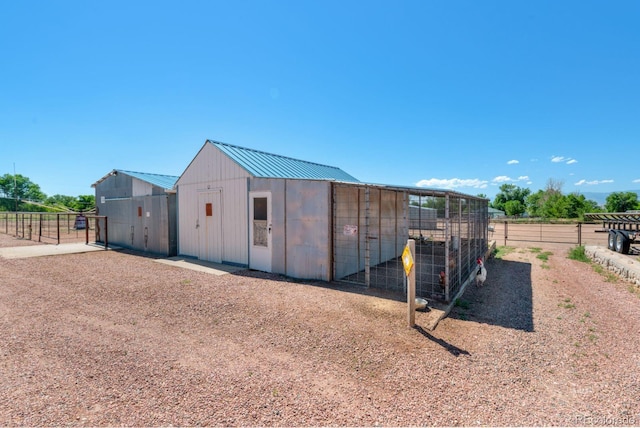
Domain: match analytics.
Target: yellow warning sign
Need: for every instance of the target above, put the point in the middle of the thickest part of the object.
(407, 260)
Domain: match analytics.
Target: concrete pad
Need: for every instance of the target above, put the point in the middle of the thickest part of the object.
(200, 265)
(49, 250)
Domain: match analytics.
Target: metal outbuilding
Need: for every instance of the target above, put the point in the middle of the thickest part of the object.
(141, 211)
(310, 221)
(255, 209)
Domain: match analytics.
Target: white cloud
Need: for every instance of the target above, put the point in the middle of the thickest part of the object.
(592, 182)
(562, 159)
(513, 162)
(452, 183)
(506, 179)
(636, 181)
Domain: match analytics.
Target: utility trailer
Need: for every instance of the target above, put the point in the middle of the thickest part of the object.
(623, 229)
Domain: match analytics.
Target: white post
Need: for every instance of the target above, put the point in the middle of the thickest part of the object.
(411, 287)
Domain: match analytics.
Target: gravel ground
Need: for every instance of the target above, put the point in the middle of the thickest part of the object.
(115, 338)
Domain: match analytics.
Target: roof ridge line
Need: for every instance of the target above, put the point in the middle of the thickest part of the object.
(270, 154)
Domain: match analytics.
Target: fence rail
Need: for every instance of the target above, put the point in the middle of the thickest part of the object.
(54, 227)
(513, 233)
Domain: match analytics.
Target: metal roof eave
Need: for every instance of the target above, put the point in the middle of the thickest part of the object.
(420, 191)
(142, 176)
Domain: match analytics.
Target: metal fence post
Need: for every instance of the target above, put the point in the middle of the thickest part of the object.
(579, 234)
(367, 242)
(506, 230)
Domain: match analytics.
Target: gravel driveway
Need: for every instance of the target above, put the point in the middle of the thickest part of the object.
(115, 338)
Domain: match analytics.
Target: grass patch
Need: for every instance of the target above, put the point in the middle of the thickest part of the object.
(544, 256)
(577, 253)
(567, 304)
(634, 290)
(502, 251)
(608, 276)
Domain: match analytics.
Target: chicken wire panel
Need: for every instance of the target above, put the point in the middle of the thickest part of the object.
(371, 228)
(369, 233)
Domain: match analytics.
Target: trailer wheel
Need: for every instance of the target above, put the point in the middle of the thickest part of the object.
(622, 243)
(611, 243)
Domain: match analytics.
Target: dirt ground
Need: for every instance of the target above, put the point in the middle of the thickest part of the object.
(115, 338)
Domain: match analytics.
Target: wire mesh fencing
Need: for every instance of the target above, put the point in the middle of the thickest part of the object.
(371, 226)
(54, 228)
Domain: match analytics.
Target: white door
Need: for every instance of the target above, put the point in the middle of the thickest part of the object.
(260, 231)
(209, 225)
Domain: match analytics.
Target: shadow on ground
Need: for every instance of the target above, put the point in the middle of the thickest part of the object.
(506, 299)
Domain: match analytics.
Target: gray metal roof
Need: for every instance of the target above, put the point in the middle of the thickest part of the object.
(262, 164)
(164, 181)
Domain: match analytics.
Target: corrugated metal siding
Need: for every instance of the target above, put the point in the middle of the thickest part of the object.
(211, 169)
(308, 229)
(268, 165)
(152, 230)
(300, 226)
(141, 188)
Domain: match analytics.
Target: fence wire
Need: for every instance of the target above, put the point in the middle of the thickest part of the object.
(54, 228)
(371, 226)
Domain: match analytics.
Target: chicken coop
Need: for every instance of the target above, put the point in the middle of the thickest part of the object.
(305, 220)
(371, 225)
(141, 211)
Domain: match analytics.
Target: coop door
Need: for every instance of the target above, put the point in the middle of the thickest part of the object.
(260, 231)
(209, 225)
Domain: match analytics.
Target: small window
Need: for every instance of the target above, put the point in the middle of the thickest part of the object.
(139, 211)
(208, 209)
(260, 208)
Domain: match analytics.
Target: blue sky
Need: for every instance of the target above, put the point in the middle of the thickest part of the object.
(466, 95)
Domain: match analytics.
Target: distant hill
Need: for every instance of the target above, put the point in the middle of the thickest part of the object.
(601, 197)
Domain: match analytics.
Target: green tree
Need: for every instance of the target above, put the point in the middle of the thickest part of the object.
(61, 201)
(578, 205)
(514, 208)
(619, 202)
(510, 192)
(554, 205)
(85, 202)
(534, 204)
(19, 187)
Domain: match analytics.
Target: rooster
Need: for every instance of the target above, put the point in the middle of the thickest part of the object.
(481, 273)
(443, 279)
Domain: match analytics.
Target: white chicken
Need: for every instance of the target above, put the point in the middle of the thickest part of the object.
(481, 273)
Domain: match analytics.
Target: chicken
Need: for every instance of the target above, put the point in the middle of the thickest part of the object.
(443, 279)
(481, 273)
